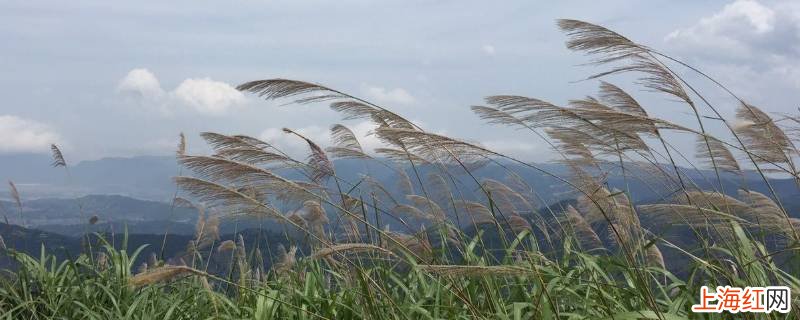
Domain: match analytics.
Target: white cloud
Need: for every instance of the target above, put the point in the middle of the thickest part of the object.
(201, 95)
(742, 29)
(208, 96)
(141, 82)
(488, 49)
(388, 96)
(23, 135)
(752, 46)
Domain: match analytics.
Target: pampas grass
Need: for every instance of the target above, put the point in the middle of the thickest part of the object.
(440, 241)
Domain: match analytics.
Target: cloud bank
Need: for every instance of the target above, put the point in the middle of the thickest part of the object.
(24, 135)
(201, 95)
(746, 41)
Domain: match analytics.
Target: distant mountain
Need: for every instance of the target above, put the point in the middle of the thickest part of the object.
(107, 208)
(145, 177)
(46, 191)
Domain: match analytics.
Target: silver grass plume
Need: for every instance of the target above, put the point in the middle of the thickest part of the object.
(654, 257)
(713, 152)
(401, 157)
(587, 238)
(321, 166)
(346, 144)
(762, 136)
(15, 195)
(597, 40)
(404, 210)
(620, 100)
(434, 211)
(181, 145)
(404, 182)
(58, 157)
(286, 258)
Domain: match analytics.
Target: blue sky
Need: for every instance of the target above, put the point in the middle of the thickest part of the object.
(118, 78)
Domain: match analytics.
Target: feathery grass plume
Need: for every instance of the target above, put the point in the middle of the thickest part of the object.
(346, 145)
(241, 257)
(161, 274)
(401, 157)
(404, 183)
(315, 217)
(17, 199)
(321, 166)
(245, 149)
(762, 136)
(718, 202)
(474, 271)
(220, 142)
(412, 212)
(181, 145)
(285, 88)
(715, 201)
(434, 211)
(286, 259)
(624, 220)
(654, 257)
(536, 113)
(206, 230)
(417, 244)
(620, 100)
(102, 261)
(314, 213)
(762, 205)
(15, 194)
(294, 191)
(533, 112)
(437, 148)
(182, 202)
(517, 201)
(226, 245)
(376, 187)
(439, 188)
(352, 107)
(597, 40)
(518, 224)
(713, 152)
(358, 110)
(497, 116)
(297, 219)
(655, 77)
(258, 157)
(571, 144)
(226, 170)
(226, 198)
(347, 248)
(597, 204)
(682, 214)
(478, 213)
(58, 157)
(587, 238)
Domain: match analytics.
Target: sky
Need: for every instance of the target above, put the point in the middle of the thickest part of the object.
(124, 78)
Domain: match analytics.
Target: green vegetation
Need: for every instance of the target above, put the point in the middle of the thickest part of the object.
(434, 251)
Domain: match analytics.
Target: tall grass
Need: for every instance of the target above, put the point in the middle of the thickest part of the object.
(438, 250)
